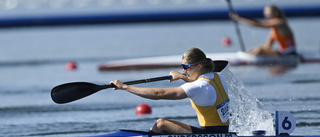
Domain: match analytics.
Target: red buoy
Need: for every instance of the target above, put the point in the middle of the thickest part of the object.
(71, 66)
(225, 41)
(143, 109)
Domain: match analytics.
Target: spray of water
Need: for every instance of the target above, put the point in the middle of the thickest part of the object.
(247, 112)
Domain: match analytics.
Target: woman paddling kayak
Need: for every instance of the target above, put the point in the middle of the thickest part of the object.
(207, 91)
(279, 31)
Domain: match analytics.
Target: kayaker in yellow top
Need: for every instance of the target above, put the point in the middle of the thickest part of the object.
(206, 90)
(279, 31)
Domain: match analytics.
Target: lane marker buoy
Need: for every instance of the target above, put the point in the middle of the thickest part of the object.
(225, 41)
(142, 109)
(71, 65)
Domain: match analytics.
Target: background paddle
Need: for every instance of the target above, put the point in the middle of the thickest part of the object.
(69, 92)
(236, 24)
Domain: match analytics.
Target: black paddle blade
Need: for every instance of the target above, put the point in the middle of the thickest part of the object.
(219, 65)
(73, 91)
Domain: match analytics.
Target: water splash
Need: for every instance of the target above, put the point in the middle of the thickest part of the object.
(247, 112)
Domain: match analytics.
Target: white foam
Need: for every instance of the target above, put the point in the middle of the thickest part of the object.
(247, 112)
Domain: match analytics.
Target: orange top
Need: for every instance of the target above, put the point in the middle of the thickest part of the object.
(287, 44)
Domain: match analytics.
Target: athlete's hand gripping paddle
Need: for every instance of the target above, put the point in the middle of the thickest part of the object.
(69, 92)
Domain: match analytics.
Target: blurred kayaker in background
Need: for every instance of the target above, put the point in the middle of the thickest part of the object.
(279, 31)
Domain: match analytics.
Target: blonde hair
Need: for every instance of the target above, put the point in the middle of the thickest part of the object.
(196, 56)
(275, 9)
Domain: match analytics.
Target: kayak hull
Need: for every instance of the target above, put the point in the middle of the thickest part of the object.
(134, 133)
(234, 59)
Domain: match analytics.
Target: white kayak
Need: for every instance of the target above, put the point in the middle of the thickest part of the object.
(234, 58)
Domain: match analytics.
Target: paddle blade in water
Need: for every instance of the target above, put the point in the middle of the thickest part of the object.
(73, 91)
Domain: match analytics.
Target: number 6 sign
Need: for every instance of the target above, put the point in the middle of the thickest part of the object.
(285, 122)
